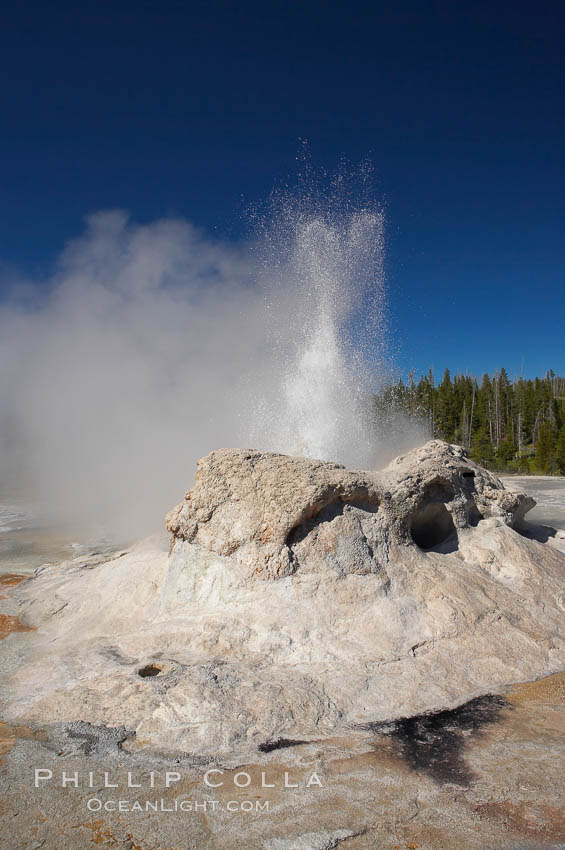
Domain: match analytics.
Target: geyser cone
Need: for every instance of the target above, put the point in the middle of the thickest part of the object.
(300, 598)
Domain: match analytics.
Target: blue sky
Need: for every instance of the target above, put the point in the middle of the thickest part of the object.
(196, 109)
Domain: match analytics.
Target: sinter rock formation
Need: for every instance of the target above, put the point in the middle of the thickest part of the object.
(278, 515)
(298, 598)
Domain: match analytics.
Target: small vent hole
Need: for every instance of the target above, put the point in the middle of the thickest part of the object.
(149, 670)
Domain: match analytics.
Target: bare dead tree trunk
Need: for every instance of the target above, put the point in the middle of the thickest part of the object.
(490, 420)
(535, 432)
(464, 428)
(471, 417)
(496, 411)
(520, 441)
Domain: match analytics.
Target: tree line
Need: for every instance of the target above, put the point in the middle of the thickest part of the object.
(508, 425)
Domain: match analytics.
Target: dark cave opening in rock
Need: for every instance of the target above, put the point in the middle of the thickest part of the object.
(474, 516)
(432, 525)
(439, 490)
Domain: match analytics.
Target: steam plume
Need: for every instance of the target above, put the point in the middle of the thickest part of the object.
(153, 344)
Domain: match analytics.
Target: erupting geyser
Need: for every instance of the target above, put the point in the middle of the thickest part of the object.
(323, 267)
(325, 380)
(156, 342)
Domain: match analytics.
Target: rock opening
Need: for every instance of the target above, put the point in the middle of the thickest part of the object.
(327, 514)
(439, 491)
(474, 515)
(432, 525)
(341, 537)
(149, 670)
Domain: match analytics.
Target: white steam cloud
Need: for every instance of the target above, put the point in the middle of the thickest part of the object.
(153, 345)
(127, 371)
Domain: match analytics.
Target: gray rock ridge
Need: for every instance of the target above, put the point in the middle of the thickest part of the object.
(278, 514)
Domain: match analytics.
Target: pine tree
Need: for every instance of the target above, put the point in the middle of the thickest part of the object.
(545, 448)
(445, 425)
(560, 450)
(505, 453)
(481, 447)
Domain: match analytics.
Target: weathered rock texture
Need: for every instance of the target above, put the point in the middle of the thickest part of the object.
(279, 515)
(300, 598)
(388, 791)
